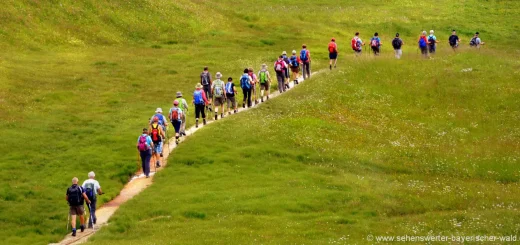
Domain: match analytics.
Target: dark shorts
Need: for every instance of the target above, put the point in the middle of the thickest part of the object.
(424, 50)
(295, 69)
(333, 56)
(264, 86)
(76, 210)
(231, 102)
(219, 101)
(375, 49)
(207, 90)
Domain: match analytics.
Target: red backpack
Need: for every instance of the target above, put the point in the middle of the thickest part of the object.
(332, 47)
(279, 66)
(156, 137)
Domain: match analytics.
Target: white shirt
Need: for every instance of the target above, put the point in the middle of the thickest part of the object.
(92, 181)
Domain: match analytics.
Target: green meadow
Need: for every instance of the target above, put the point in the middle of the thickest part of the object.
(378, 146)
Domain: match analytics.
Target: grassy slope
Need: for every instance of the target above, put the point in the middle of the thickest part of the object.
(77, 79)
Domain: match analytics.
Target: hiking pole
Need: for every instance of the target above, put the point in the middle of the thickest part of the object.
(90, 216)
(68, 221)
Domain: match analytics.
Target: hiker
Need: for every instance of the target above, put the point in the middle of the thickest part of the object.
(157, 135)
(305, 58)
(175, 116)
(245, 84)
(183, 105)
(219, 96)
(279, 67)
(454, 40)
(294, 63)
(254, 80)
(144, 145)
(423, 44)
(205, 80)
(92, 189)
(264, 80)
(76, 197)
(231, 91)
(161, 117)
(397, 43)
(286, 69)
(432, 43)
(200, 101)
(375, 44)
(357, 44)
(333, 52)
(475, 41)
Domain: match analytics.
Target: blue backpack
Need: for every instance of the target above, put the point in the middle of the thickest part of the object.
(161, 118)
(303, 55)
(294, 61)
(422, 43)
(229, 88)
(244, 82)
(197, 97)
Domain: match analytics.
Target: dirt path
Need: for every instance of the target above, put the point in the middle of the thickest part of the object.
(138, 183)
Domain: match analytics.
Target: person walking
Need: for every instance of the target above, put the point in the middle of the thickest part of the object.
(397, 43)
(432, 42)
(175, 116)
(92, 189)
(76, 198)
(231, 91)
(305, 58)
(333, 52)
(423, 44)
(357, 44)
(162, 119)
(279, 68)
(375, 44)
(200, 101)
(454, 40)
(476, 41)
(286, 70)
(219, 95)
(295, 67)
(205, 80)
(145, 145)
(245, 84)
(254, 80)
(157, 134)
(183, 105)
(265, 81)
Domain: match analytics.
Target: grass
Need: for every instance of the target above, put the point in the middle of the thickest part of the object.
(409, 144)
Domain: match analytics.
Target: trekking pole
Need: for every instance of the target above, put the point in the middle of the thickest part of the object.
(68, 221)
(90, 216)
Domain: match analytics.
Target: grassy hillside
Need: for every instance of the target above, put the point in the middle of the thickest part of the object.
(78, 79)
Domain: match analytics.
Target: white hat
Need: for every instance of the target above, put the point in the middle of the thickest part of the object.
(218, 75)
(294, 52)
(431, 31)
(284, 52)
(159, 110)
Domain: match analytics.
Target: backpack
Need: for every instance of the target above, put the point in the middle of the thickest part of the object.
(397, 43)
(303, 55)
(431, 40)
(279, 65)
(142, 143)
(181, 104)
(422, 43)
(287, 61)
(229, 88)
(332, 47)
(160, 117)
(91, 193)
(473, 42)
(75, 196)
(354, 43)
(197, 97)
(176, 114)
(205, 78)
(218, 88)
(294, 61)
(244, 82)
(156, 136)
(453, 40)
(374, 42)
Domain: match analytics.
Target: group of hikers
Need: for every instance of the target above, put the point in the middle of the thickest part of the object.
(427, 45)
(77, 195)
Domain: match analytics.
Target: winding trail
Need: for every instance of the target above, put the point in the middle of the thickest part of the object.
(138, 183)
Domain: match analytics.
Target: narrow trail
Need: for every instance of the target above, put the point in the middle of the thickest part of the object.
(138, 183)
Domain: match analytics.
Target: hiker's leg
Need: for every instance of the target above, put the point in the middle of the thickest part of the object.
(82, 219)
(92, 210)
(309, 70)
(197, 112)
(280, 83)
(202, 112)
(249, 97)
(244, 91)
(73, 220)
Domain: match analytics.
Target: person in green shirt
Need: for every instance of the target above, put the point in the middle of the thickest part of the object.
(183, 105)
(219, 96)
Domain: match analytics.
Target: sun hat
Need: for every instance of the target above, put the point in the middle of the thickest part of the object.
(284, 52)
(294, 52)
(158, 110)
(264, 66)
(218, 75)
(176, 102)
(179, 94)
(198, 85)
(431, 31)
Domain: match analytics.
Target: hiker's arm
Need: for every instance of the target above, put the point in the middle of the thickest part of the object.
(85, 197)
(67, 198)
(99, 191)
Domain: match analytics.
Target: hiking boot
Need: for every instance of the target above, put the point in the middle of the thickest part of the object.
(256, 102)
(177, 141)
(204, 121)
(216, 117)
(158, 164)
(82, 227)
(330, 66)
(244, 105)
(235, 111)
(196, 123)
(74, 232)
(94, 220)
(262, 100)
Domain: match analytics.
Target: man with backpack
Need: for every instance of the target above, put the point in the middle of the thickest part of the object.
(231, 91)
(295, 67)
(183, 105)
(357, 44)
(175, 116)
(397, 43)
(200, 101)
(432, 42)
(144, 146)
(161, 117)
(157, 134)
(454, 40)
(76, 197)
(279, 66)
(333, 52)
(92, 189)
(264, 80)
(246, 84)
(219, 95)
(375, 44)
(423, 44)
(475, 41)
(286, 69)
(305, 58)
(205, 80)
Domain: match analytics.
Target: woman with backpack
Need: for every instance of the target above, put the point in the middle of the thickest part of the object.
(295, 67)
(217, 89)
(254, 81)
(265, 80)
(144, 146)
(200, 101)
(423, 44)
(375, 44)
(175, 116)
(246, 84)
(279, 67)
(157, 134)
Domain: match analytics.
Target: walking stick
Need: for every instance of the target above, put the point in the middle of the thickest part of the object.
(68, 221)
(91, 217)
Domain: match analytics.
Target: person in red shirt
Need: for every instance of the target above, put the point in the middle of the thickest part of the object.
(333, 53)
